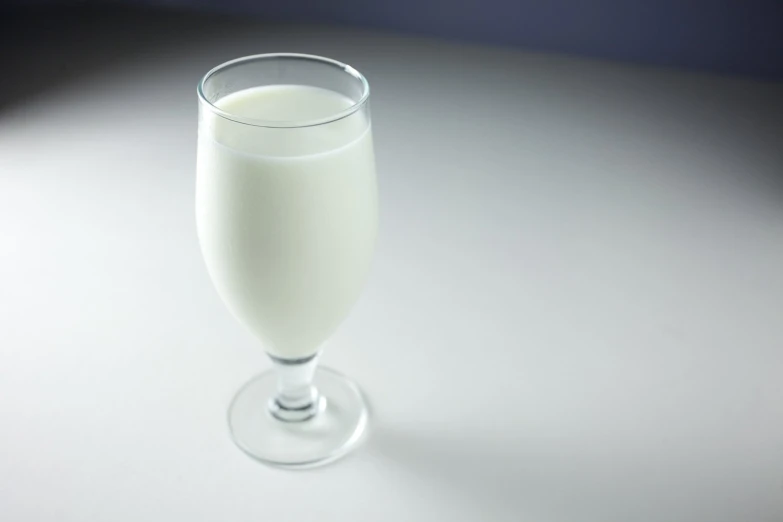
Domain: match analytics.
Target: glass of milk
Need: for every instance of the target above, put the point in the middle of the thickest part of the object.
(286, 211)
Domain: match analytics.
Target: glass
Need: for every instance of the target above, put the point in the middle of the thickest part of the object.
(286, 212)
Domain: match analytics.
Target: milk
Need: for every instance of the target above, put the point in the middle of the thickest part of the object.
(287, 217)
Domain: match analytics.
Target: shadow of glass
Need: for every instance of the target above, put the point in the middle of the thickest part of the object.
(512, 476)
(493, 474)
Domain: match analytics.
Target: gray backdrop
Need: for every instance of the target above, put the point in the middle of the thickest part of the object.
(728, 36)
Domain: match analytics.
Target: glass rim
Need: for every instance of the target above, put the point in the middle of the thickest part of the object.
(285, 124)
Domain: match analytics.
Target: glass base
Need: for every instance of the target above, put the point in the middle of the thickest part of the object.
(332, 432)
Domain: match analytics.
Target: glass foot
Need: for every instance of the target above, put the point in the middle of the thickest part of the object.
(336, 427)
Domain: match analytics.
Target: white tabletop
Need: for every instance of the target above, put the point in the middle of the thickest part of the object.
(575, 312)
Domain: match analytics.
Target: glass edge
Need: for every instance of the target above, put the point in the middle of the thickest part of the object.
(285, 124)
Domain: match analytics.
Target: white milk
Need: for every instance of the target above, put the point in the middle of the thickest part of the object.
(287, 217)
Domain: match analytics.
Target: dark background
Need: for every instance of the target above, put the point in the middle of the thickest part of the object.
(728, 37)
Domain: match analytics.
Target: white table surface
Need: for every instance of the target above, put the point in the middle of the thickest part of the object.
(575, 312)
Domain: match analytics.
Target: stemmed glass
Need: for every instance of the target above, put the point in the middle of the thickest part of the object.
(286, 212)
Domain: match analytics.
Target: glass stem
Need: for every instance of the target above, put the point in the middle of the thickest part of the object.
(297, 399)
